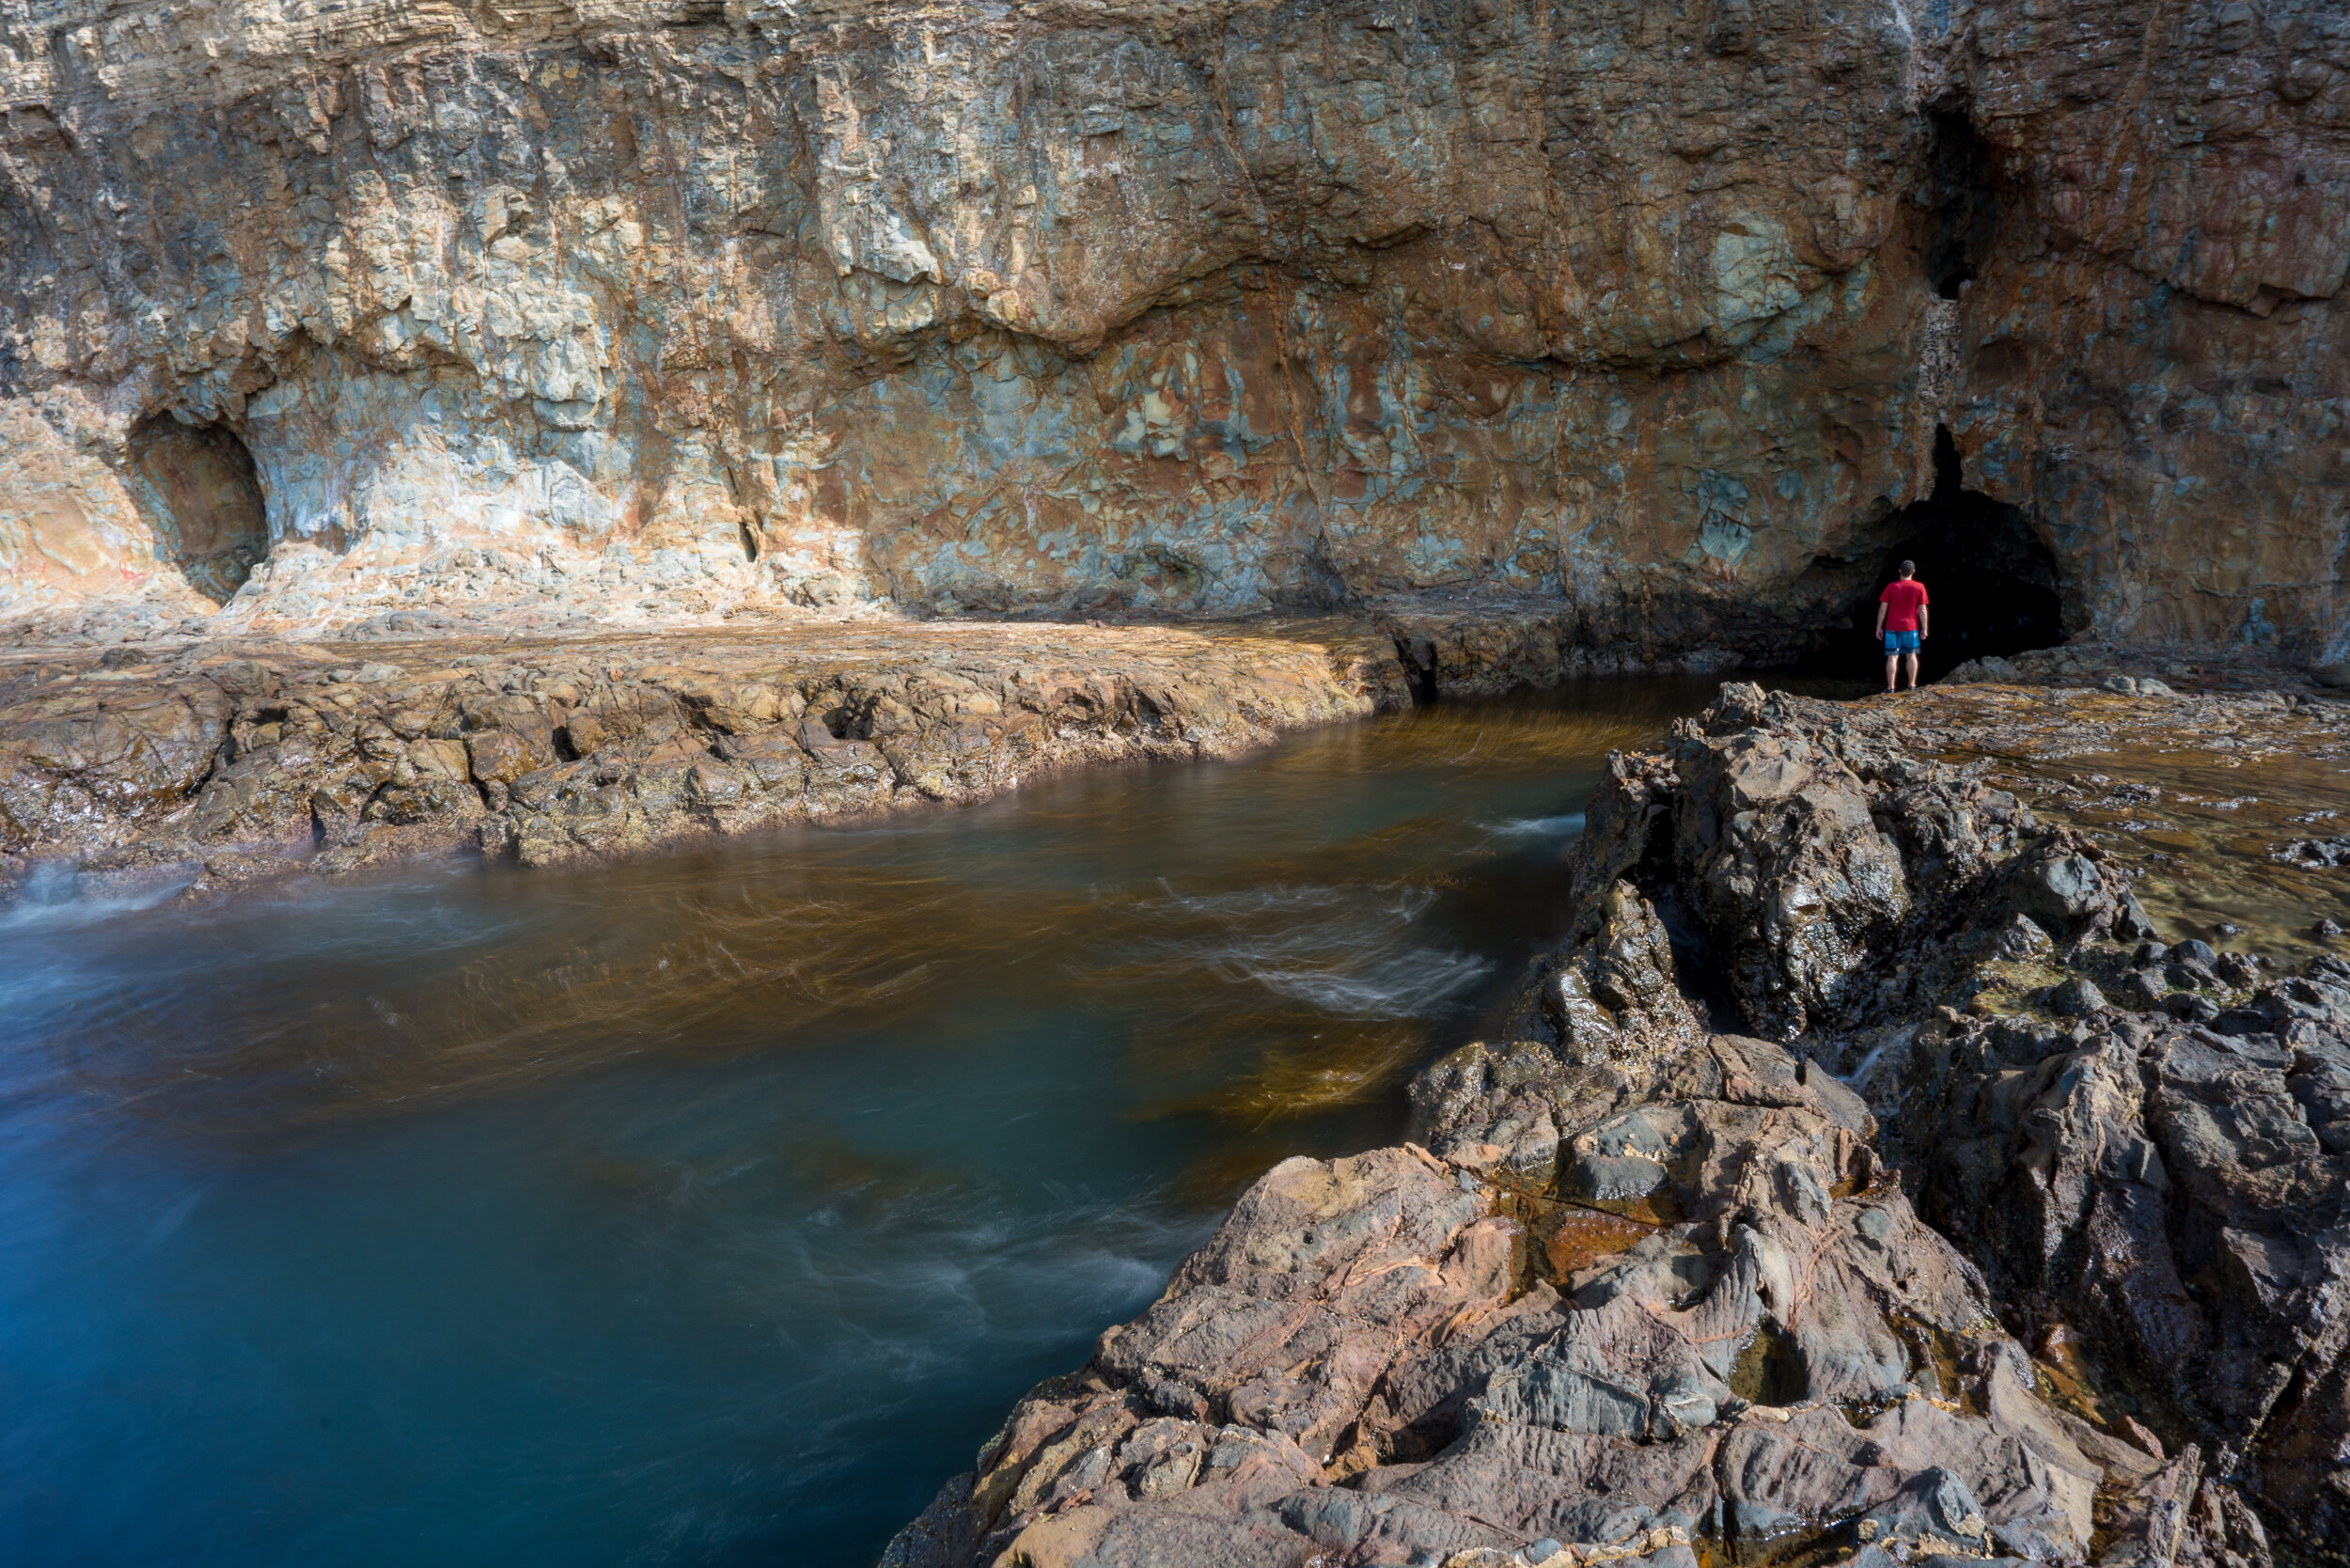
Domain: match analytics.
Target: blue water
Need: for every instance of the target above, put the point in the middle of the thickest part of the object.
(711, 1208)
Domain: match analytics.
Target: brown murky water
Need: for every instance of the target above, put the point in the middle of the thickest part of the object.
(1280, 936)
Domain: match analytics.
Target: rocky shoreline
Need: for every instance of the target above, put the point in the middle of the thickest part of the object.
(1863, 1180)
(230, 762)
(225, 760)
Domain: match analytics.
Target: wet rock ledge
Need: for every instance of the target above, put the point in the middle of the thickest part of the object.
(239, 760)
(1779, 1224)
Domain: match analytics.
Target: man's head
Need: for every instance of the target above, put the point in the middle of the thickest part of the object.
(1909, 569)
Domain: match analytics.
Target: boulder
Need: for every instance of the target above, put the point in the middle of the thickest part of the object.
(1401, 1359)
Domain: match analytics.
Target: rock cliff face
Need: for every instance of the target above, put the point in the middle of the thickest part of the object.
(612, 310)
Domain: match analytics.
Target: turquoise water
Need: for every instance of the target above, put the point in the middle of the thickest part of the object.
(711, 1208)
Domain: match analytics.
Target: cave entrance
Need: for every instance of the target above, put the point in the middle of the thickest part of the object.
(1995, 588)
(204, 502)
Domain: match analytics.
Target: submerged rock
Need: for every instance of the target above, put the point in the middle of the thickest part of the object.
(2315, 851)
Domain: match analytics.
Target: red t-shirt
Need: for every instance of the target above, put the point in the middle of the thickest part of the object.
(1903, 595)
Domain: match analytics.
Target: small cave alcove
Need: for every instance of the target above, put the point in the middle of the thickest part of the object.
(1996, 589)
(205, 502)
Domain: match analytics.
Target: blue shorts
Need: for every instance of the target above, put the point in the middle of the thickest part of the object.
(1901, 642)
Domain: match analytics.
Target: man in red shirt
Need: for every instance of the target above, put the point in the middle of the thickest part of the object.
(1902, 622)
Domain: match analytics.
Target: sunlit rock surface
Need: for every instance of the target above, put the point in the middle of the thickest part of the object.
(261, 759)
(609, 312)
(1972, 1265)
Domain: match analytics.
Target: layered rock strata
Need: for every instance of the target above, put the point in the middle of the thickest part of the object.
(1369, 1364)
(630, 311)
(2050, 1279)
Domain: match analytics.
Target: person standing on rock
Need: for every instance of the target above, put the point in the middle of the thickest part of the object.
(1902, 622)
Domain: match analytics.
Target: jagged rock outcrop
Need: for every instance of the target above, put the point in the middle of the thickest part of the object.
(1652, 1290)
(1371, 1364)
(1827, 876)
(2099, 1168)
(2094, 1160)
(614, 311)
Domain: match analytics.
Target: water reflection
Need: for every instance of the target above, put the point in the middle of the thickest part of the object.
(709, 1208)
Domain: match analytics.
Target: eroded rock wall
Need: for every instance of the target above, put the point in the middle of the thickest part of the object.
(2152, 350)
(651, 310)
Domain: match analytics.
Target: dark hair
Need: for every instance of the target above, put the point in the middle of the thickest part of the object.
(1909, 569)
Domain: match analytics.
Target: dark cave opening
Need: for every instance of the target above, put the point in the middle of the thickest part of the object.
(1994, 587)
(204, 502)
(1418, 656)
(1964, 199)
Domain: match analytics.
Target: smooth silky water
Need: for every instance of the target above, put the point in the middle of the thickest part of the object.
(711, 1208)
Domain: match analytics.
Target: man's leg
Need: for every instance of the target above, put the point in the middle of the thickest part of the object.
(1892, 670)
(1909, 668)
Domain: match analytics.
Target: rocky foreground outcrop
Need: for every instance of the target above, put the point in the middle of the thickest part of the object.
(2055, 1277)
(624, 312)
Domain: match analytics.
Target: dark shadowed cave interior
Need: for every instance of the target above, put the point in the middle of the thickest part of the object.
(204, 501)
(1994, 584)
